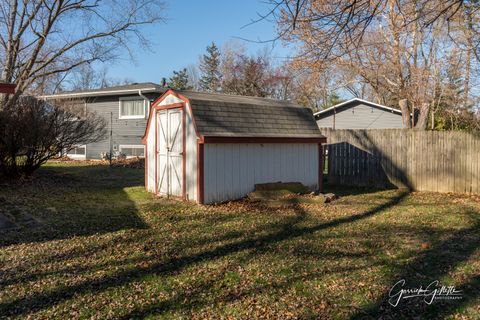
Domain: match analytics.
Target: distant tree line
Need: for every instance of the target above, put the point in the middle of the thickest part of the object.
(232, 70)
(419, 56)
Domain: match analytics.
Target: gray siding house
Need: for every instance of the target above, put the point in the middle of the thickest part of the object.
(125, 109)
(359, 114)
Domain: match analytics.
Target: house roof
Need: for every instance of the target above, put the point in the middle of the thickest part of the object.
(222, 115)
(133, 88)
(358, 100)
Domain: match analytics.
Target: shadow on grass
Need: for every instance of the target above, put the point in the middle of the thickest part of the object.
(289, 229)
(353, 190)
(66, 201)
(431, 265)
(357, 167)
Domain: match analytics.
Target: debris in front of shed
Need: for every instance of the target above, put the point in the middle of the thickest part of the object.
(294, 187)
(279, 194)
(328, 197)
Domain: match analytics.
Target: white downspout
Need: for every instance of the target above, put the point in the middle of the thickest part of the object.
(146, 99)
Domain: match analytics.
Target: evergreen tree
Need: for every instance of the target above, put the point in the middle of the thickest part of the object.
(210, 69)
(179, 80)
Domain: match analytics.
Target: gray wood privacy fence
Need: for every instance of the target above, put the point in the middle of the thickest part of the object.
(418, 160)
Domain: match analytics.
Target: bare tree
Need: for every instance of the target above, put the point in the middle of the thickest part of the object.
(45, 38)
(193, 76)
(396, 47)
(346, 21)
(86, 77)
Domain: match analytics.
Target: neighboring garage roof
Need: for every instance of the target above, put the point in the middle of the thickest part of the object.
(222, 115)
(352, 102)
(133, 88)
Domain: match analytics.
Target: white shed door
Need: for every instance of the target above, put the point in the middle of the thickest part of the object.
(170, 152)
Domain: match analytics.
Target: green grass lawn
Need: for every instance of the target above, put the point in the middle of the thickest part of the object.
(91, 243)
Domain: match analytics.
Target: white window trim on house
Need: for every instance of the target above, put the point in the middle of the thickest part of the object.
(78, 156)
(136, 146)
(120, 100)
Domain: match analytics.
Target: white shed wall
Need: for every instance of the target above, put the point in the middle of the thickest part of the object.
(232, 170)
(191, 157)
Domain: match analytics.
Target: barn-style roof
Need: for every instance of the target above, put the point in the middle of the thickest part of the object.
(222, 115)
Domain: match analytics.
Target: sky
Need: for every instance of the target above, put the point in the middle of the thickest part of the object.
(190, 26)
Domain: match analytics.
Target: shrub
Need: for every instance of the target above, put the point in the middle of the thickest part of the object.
(33, 131)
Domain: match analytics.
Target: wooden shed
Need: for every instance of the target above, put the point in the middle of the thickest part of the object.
(208, 147)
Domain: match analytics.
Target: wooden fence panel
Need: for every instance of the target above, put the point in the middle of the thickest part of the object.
(419, 160)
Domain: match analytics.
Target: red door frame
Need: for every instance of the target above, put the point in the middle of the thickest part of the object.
(155, 110)
(184, 105)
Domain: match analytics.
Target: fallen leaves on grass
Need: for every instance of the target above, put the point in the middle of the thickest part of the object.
(111, 251)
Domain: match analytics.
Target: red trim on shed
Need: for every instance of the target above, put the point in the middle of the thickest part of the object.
(184, 146)
(153, 109)
(200, 173)
(262, 140)
(184, 155)
(156, 106)
(187, 101)
(155, 152)
(170, 106)
(7, 87)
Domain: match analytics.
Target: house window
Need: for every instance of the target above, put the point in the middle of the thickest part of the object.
(78, 152)
(132, 109)
(132, 150)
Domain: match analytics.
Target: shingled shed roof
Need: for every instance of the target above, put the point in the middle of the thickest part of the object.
(222, 115)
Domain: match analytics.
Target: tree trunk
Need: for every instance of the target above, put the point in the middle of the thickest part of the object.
(433, 119)
(405, 112)
(423, 117)
(467, 78)
(468, 59)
